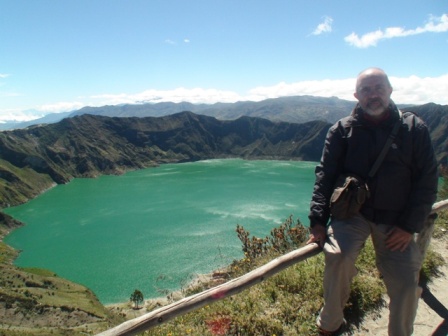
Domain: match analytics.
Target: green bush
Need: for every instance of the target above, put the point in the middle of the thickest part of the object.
(285, 304)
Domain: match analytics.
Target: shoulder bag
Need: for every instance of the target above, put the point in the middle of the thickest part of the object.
(351, 191)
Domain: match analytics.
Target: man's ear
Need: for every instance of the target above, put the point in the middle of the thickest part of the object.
(356, 95)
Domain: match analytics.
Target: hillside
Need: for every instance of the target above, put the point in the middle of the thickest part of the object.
(38, 302)
(436, 117)
(34, 159)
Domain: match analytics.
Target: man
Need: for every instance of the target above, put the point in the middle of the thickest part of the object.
(401, 196)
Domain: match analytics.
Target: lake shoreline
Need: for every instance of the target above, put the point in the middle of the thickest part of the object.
(207, 280)
(173, 230)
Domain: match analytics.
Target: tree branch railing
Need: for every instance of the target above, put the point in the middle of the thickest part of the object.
(424, 237)
(237, 285)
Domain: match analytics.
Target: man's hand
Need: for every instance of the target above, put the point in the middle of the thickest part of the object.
(318, 234)
(398, 239)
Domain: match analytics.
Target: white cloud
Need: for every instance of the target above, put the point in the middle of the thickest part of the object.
(195, 95)
(324, 27)
(4, 75)
(60, 107)
(19, 115)
(420, 90)
(407, 90)
(39, 111)
(434, 25)
(172, 42)
(342, 88)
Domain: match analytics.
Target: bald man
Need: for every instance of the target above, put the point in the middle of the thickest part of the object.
(401, 196)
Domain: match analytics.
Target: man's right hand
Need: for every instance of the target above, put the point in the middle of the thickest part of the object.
(318, 233)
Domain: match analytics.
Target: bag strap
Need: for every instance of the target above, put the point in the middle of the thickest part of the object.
(386, 147)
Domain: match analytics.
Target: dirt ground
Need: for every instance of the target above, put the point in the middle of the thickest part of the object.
(432, 314)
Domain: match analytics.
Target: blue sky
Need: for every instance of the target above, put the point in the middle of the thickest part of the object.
(58, 56)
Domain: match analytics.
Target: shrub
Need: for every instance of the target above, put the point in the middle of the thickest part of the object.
(287, 303)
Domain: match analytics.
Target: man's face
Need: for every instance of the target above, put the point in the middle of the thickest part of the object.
(373, 93)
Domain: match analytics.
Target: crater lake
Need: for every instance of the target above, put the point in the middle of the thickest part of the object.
(155, 229)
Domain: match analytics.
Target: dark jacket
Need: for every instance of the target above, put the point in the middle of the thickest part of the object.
(404, 187)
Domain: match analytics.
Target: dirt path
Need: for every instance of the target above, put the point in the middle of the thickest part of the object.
(432, 314)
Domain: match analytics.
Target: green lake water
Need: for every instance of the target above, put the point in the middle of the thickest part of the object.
(154, 229)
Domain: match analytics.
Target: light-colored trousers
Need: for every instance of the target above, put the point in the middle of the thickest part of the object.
(400, 271)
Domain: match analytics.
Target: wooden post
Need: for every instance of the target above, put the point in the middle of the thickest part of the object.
(232, 287)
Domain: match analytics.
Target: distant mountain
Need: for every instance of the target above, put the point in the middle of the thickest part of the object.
(34, 159)
(48, 119)
(298, 109)
(436, 117)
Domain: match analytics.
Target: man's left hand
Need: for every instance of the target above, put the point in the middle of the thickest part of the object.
(398, 239)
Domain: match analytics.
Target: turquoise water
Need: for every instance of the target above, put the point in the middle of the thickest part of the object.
(154, 229)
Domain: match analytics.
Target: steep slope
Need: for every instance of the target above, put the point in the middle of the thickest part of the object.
(38, 302)
(33, 159)
(436, 117)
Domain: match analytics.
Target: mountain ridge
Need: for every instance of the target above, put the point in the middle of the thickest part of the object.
(34, 159)
(40, 156)
(85, 145)
(297, 109)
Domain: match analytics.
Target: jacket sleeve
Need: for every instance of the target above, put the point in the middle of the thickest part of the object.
(424, 180)
(327, 171)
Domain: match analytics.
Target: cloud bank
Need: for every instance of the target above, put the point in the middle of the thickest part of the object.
(434, 25)
(407, 90)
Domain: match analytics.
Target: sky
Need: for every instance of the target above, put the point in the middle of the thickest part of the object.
(60, 55)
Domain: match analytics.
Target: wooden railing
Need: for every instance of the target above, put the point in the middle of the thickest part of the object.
(235, 286)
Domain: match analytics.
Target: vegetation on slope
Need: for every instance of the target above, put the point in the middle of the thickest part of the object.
(33, 159)
(287, 303)
(436, 117)
(19, 184)
(38, 302)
